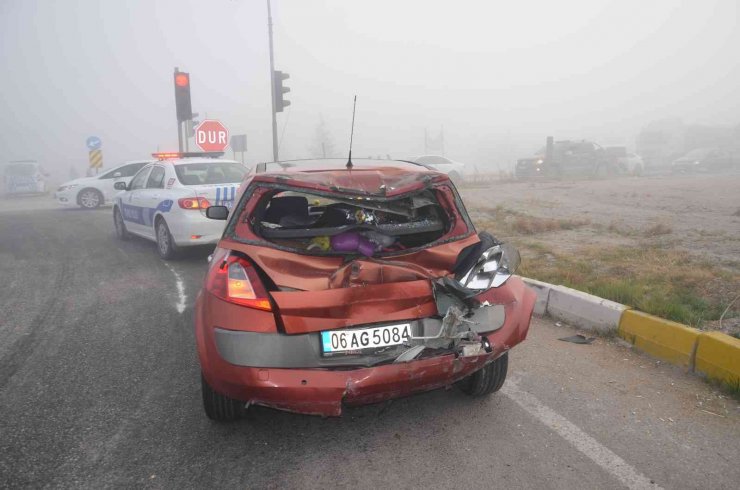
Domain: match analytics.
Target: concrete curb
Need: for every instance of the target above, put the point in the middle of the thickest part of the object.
(718, 357)
(542, 290)
(713, 354)
(584, 310)
(664, 339)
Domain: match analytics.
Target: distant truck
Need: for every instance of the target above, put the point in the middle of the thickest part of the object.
(23, 177)
(567, 158)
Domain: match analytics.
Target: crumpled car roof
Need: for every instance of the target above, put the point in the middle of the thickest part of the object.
(367, 176)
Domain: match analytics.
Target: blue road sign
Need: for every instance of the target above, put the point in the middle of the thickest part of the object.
(93, 143)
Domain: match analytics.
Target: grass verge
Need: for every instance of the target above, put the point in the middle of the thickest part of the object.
(661, 282)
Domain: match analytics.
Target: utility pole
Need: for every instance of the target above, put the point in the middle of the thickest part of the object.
(272, 87)
(179, 123)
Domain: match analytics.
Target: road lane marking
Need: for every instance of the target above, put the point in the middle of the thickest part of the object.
(590, 447)
(181, 298)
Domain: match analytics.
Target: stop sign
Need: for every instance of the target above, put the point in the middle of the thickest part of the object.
(211, 135)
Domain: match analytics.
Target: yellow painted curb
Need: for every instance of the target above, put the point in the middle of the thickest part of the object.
(718, 356)
(664, 339)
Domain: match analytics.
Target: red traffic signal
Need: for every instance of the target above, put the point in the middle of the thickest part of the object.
(182, 79)
(182, 96)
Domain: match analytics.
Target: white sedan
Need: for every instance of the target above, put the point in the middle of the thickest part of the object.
(455, 170)
(93, 192)
(166, 201)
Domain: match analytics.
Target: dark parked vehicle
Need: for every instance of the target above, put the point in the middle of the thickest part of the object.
(704, 160)
(567, 158)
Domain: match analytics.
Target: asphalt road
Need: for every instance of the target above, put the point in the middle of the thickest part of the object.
(99, 387)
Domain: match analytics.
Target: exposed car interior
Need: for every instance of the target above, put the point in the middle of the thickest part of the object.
(350, 225)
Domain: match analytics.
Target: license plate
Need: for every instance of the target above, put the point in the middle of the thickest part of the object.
(365, 338)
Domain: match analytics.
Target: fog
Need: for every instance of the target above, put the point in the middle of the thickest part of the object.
(498, 77)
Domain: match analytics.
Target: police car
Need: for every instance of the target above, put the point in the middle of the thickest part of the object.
(166, 201)
(93, 192)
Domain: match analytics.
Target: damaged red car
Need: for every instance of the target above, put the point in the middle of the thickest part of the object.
(340, 284)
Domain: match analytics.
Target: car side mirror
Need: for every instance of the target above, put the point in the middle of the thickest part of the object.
(120, 186)
(217, 212)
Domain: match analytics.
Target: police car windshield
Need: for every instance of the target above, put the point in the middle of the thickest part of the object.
(209, 173)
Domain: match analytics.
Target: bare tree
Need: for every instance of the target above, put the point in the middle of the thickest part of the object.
(323, 146)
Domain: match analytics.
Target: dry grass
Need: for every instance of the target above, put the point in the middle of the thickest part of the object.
(658, 229)
(665, 283)
(508, 222)
(649, 276)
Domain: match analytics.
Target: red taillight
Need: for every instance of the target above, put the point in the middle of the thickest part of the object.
(235, 280)
(193, 203)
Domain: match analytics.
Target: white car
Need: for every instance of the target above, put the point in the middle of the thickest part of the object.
(455, 170)
(166, 201)
(93, 192)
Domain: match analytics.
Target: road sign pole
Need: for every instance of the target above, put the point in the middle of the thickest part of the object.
(272, 87)
(179, 136)
(186, 134)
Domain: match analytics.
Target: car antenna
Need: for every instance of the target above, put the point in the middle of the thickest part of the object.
(352, 134)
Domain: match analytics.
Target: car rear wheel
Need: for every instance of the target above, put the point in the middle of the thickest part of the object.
(488, 380)
(219, 407)
(165, 244)
(121, 231)
(90, 198)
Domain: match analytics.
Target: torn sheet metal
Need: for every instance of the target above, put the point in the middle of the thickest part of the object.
(314, 273)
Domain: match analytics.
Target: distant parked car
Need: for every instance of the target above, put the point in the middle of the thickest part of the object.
(92, 192)
(455, 170)
(23, 177)
(703, 159)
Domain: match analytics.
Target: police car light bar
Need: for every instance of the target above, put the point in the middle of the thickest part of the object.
(166, 155)
(170, 155)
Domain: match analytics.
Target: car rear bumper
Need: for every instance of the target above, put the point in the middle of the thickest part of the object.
(269, 379)
(324, 392)
(191, 228)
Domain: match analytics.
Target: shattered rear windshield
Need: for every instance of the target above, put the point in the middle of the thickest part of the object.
(346, 225)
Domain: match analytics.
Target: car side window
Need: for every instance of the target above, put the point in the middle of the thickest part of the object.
(138, 181)
(109, 175)
(131, 169)
(156, 178)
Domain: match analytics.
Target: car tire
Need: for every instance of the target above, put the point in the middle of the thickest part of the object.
(165, 243)
(488, 380)
(219, 407)
(121, 231)
(90, 198)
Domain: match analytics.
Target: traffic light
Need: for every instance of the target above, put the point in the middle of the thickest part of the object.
(182, 96)
(277, 79)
